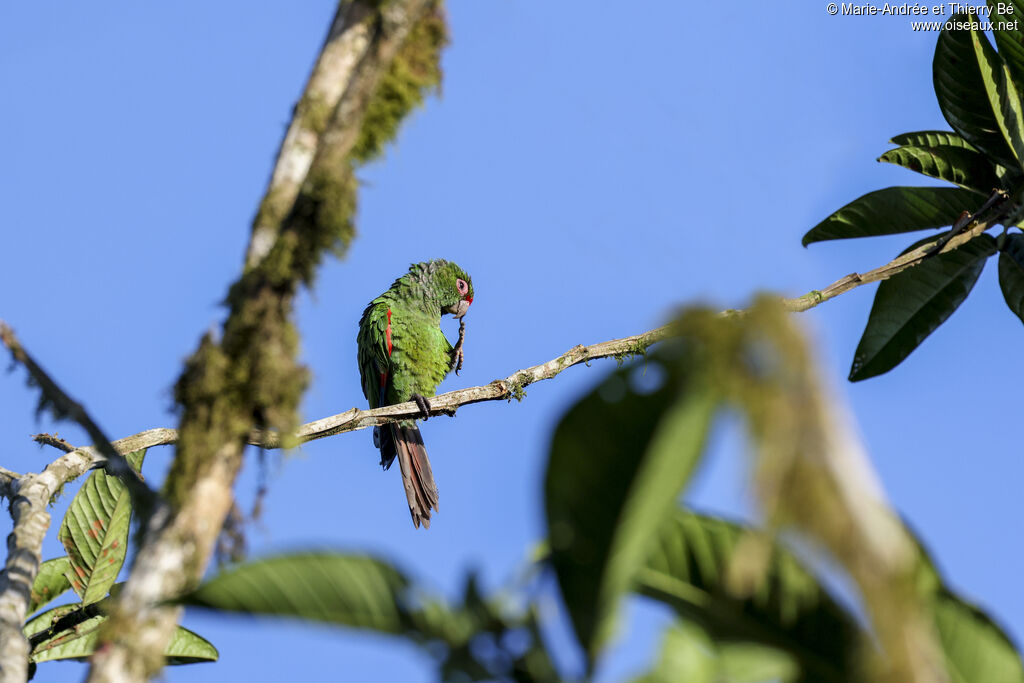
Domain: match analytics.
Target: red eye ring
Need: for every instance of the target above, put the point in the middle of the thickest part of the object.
(461, 285)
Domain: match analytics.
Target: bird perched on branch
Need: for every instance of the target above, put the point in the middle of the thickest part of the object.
(403, 356)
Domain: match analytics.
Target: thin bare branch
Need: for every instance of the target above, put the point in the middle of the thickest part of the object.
(53, 440)
(897, 265)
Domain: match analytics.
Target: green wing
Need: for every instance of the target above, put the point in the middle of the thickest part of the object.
(374, 359)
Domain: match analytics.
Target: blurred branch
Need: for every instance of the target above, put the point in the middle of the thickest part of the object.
(347, 43)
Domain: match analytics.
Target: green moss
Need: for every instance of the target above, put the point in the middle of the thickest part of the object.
(313, 113)
(636, 349)
(517, 387)
(415, 70)
(322, 220)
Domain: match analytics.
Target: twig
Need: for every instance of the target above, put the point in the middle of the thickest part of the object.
(897, 265)
(53, 440)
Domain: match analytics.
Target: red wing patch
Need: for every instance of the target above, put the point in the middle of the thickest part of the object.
(387, 333)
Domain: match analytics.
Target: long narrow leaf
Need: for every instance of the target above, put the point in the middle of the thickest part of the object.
(958, 165)
(1001, 92)
(619, 459)
(95, 532)
(931, 138)
(1010, 36)
(895, 210)
(960, 90)
(912, 304)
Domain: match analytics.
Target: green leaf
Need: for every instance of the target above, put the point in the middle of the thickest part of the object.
(895, 210)
(912, 304)
(688, 654)
(80, 641)
(976, 648)
(687, 570)
(50, 582)
(95, 532)
(931, 138)
(960, 90)
(188, 647)
(350, 590)
(961, 166)
(1002, 94)
(619, 459)
(1010, 41)
(1011, 273)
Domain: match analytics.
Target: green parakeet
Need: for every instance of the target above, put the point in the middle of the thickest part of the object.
(403, 356)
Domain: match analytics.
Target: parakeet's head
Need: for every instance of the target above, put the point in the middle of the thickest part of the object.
(451, 285)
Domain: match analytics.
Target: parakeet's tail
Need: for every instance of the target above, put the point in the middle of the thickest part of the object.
(406, 444)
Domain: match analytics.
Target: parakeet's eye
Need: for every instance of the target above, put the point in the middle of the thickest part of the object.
(462, 286)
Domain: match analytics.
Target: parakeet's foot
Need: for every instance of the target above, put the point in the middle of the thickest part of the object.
(424, 405)
(457, 354)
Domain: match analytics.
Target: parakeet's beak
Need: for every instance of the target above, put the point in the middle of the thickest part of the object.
(460, 309)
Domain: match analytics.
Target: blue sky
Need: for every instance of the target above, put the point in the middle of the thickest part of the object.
(593, 167)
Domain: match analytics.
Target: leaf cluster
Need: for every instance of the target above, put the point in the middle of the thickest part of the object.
(94, 532)
(979, 91)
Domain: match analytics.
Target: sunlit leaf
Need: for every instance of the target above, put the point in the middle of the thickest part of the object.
(912, 304)
(50, 582)
(895, 210)
(688, 654)
(958, 165)
(688, 567)
(1010, 36)
(931, 138)
(960, 90)
(976, 648)
(95, 532)
(350, 590)
(1001, 92)
(619, 459)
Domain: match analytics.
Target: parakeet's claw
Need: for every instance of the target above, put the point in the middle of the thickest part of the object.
(457, 354)
(424, 405)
